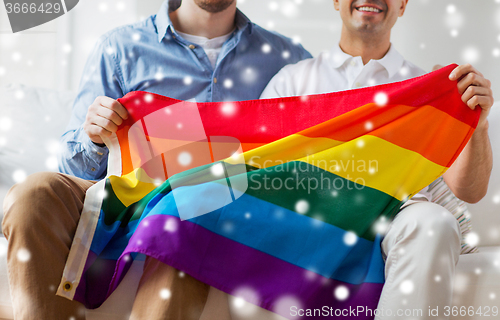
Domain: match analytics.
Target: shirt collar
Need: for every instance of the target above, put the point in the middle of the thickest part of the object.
(392, 61)
(163, 21)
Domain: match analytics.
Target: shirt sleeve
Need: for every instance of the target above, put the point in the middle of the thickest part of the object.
(79, 156)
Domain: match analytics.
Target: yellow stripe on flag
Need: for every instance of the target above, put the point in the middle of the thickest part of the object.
(132, 187)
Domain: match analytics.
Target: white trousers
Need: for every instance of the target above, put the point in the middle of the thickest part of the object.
(421, 248)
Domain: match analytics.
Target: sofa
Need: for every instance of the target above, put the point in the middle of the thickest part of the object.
(32, 119)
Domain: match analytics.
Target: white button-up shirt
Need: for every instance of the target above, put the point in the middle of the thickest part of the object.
(336, 70)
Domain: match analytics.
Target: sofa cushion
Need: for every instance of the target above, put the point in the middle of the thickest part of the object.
(486, 213)
(31, 122)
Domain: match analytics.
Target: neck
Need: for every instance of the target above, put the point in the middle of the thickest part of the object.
(368, 47)
(191, 19)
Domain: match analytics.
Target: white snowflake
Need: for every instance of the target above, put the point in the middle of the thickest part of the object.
(249, 75)
(5, 124)
(406, 287)
(171, 225)
(228, 83)
(103, 7)
(23, 255)
(289, 9)
(350, 238)
(296, 40)
(165, 294)
(381, 225)
(360, 143)
(310, 275)
(381, 99)
(51, 163)
(16, 56)
(472, 238)
(266, 48)
(228, 227)
(217, 169)
(228, 108)
(188, 80)
(184, 158)
(496, 199)
(302, 206)
(19, 94)
(273, 6)
(284, 303)
(245, 301)
(110, 50)
(120, 6)
(136, 36)
(368, 125)
(454, 20)
(66, 48)
(471, 55)
(19, 176)
(341, 293)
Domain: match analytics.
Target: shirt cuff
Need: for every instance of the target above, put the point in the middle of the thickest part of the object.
(94, 151)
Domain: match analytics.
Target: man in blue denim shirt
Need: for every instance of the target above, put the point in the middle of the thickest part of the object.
(152, 56)
(202, 50)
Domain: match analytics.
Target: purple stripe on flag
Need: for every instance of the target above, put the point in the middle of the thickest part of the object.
(232, 267)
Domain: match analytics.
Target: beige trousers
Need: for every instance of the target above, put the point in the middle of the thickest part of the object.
(40, 220)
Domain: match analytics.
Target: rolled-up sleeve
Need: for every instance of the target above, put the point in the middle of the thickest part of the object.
(79, 156)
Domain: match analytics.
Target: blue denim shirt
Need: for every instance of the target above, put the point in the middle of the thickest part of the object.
(151, 56)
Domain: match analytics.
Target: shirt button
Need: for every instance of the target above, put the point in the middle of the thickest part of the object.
(100, 153)
(353, 63)
(215, 80)
(93, 169)
(358, 84)
(191, 46)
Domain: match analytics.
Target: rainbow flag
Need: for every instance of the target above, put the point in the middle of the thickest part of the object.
(280, 201)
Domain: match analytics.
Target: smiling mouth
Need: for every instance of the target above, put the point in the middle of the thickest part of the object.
(368, 9)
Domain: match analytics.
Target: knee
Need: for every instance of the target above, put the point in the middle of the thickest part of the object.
(434, 220)
(21, 203)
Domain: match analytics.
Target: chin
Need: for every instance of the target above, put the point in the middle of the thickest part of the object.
(214, 6)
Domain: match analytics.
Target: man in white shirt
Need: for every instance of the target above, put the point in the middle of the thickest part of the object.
(419, 268)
